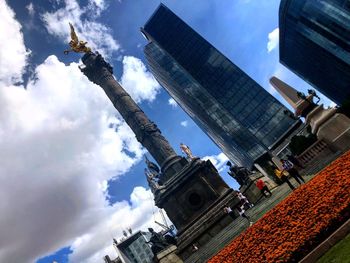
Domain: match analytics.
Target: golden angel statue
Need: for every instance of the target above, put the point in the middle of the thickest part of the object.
(75, 44)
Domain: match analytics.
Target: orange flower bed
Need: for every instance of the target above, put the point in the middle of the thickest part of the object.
(299, 223)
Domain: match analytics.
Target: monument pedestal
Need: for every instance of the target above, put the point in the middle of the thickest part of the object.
(168, 255)
(327, 124)
(194, 200)
(250, 191)
(263, 175)
(331, 127)
(206, 226)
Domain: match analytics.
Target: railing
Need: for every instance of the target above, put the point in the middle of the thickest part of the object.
(312, 152)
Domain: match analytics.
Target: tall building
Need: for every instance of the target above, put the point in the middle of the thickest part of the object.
(135, 249)
(315, 44)
(241, 117)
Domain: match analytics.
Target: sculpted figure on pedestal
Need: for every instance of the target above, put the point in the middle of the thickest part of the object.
(153, 181)
(158, 242)
(240, 174)
(186, 150)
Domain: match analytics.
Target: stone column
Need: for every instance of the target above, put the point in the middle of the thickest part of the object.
(147, 133)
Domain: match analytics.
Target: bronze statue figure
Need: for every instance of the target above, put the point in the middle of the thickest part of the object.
(153, 181)
(159, 243)
(75, 44)
(152, 167)
(240, 174)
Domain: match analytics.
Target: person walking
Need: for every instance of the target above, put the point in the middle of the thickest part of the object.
(289, 167)
(230, 212)
(263, 188)
(283, 178)
(244, 200)
(242, 213)
(295, 161)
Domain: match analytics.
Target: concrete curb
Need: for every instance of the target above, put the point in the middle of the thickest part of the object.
(322, 248)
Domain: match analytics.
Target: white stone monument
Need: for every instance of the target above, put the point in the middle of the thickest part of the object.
(327, 124)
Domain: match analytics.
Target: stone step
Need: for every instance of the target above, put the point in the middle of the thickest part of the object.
(319, 164)
(238, 225)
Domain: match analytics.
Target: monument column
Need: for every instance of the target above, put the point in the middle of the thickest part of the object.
(193, 194)
(147, 133)
(328, 125)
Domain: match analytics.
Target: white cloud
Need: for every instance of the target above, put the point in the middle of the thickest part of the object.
(137, 81)
(140, 214)
(184, 123)
(219, 161)
(57, 150)
(13, 54)
(57, 153)
(273, 40)
(98, 36)
(30, 8)
(325, 101)
(172, 103)
(98, 5)
(332, 105)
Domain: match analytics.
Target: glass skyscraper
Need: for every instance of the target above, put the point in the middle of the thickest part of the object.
(315, 44)
(241, 117)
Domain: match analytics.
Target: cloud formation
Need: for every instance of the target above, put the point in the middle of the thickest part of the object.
(13, 54)
(184, 123)
(273, 40)
(219, 161)
(61, 141)
(137, 81)
(57, 149)
(96, 243)
(30, 9)
(172, 103)
(98, 36)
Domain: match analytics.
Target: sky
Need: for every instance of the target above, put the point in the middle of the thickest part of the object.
(71, 170)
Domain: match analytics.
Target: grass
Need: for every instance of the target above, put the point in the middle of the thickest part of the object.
(339, 253)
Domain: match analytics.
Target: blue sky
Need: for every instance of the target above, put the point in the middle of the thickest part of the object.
(64, 145)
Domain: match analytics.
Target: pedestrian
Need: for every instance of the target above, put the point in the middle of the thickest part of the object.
(289, 167)
(284, 178)
(263, 188)
(242, 213)
(194, 248)
(230, 212)
(295, 161)
(244, 200)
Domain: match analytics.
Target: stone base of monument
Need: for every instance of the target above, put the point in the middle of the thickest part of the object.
(194, 199)
(205, 227)
(332, 127)
(169, 255)
(336, 132)
(250, 191)
(262, 174)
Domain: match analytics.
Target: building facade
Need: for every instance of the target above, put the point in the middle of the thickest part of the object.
(135, 249)
(241, 117)
(315, 44)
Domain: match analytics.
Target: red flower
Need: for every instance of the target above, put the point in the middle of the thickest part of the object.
(299, 223)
